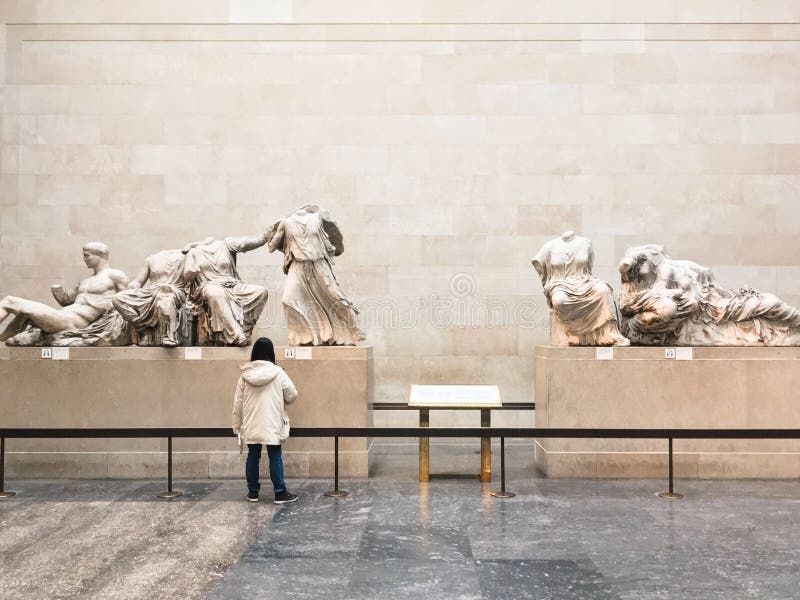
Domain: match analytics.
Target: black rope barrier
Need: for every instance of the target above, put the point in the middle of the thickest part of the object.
(411, 432)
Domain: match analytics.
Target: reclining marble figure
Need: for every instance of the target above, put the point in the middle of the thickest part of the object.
(87, 318)
(156, 301)
(583, 309)
(677, 302)
(227, 308)
(317, 311)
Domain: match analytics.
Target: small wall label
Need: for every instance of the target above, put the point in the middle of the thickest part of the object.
(193, 353)
(604, 353)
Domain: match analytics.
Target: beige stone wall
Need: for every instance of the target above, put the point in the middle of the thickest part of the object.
(450, 139)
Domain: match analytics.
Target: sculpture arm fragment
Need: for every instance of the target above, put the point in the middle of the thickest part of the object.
(64, 298)
(246, 243)
(277, 234)
(141, 277)
(119, 279)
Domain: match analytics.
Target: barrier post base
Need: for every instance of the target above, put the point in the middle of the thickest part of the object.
(670, 495)
(7, 495)
(502, 494)
(336, 493)
(170, 494)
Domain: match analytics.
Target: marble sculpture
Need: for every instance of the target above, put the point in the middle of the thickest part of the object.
(583, 309)
(317, 311)
(677, 302)
(156, 302)
(87, 318)
(228, 308)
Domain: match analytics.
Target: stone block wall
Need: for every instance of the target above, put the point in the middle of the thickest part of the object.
(449, 138)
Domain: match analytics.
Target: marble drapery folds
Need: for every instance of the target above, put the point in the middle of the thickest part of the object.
(677, 302)
(156, 301)
(317, 311)
(228, 307)
(584, 311)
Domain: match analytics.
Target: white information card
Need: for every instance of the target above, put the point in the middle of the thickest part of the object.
(604, 353)
(455, 395)
(61, 353)
(193, 353)
(302, 353)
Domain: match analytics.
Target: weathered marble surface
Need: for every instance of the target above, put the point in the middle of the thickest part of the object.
(584, 310)
(668, 302)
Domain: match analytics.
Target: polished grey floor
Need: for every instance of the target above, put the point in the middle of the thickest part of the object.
(396, 538)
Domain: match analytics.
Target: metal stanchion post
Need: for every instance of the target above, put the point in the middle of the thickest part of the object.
(170, 493)
(3, 492)
(486, 447)
(503, 493)
(336, 492)
(671, 494)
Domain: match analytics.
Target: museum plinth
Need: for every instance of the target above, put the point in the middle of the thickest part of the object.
(747, 388)
(159, 387)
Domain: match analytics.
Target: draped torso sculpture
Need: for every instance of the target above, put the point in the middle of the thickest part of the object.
(677, 302)
(317, 311)
(155, 302)
(228, 307)
(584, 311)
(87, 318)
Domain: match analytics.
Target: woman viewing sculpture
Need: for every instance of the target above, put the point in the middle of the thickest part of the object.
(259, 417)
(584, 311)
(317, 311)
(229, 308)
(87, 318)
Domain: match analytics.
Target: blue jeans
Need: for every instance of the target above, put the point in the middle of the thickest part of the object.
(275, 467)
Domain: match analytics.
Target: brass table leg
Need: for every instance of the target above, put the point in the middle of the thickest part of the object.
(424, 447)
(486, 447)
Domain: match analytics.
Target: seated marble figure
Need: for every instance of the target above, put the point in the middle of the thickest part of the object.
(584, 312)
(227, 308)
(156, 301)
(87, 316)
(677, 302)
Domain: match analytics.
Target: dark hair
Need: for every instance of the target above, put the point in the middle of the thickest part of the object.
(263, 350)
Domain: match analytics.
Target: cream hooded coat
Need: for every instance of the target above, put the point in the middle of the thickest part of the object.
(259, 405)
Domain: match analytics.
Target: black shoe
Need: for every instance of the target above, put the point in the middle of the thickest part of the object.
(252, 496)
(285, 497)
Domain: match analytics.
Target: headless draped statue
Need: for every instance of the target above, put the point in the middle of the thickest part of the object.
(155, 302)
(87, 316)
(584, 311)
(677, 302)
(317, 311)
(228, 308)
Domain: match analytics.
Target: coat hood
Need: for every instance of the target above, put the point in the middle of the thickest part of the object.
(259, 372)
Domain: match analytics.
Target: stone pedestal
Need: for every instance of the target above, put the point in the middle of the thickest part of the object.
(158, 387)
(640, 388)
